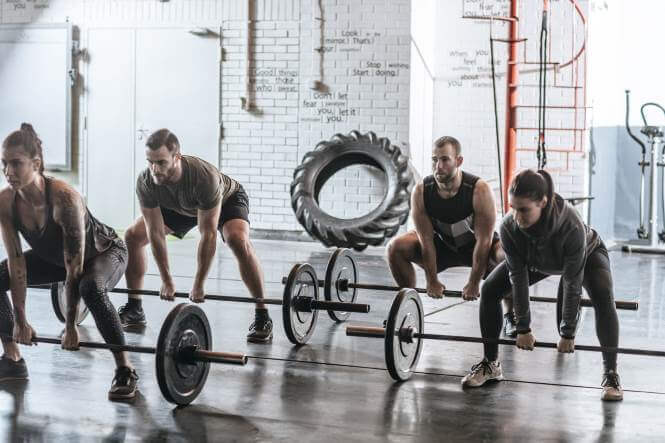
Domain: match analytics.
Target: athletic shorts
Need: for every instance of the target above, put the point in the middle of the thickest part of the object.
(236, 206)
(447, 257)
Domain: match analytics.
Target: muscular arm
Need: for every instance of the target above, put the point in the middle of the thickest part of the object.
(208, 220)
(425, 232)
(69, 213)
(154, 223)
(15, 260)
(483, 226)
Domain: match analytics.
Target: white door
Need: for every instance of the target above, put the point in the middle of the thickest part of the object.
(141, 80)
(177, 87)
(110, 126)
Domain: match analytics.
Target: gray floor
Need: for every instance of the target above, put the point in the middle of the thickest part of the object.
(336, 388)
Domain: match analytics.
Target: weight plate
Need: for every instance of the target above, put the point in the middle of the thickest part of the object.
(340, 266)
(301, 282)
(401, 356)
(59, 302)
(181, 380)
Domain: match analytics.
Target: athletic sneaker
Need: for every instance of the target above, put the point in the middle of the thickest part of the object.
(131, 315)
(483, 372)
(509, 325)
(260, 331)
(12, 370)
(123, 386)
(611, 384)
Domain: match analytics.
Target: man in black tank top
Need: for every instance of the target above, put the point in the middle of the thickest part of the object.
(454, 215)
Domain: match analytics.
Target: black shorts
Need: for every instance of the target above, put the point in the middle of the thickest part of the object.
(236, 206)
(448, 258)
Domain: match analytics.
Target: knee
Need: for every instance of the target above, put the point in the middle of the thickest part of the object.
(239, 243)
(135, 237)
(490, 294)
(394, 249)
(91, 290)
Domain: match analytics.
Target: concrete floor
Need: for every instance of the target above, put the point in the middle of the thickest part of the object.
(336, 387)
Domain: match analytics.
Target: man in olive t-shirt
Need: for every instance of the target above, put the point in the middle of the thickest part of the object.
(176, 193)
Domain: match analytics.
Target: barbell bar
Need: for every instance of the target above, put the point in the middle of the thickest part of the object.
(404, 344)
(182, 353)
(342, 275)
(300, 305)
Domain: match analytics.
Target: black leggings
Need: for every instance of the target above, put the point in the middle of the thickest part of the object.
(99, 273)
(597, 282)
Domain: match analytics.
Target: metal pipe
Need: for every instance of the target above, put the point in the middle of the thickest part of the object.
(511, 102)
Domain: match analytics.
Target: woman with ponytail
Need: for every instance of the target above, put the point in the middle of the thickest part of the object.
(67, 244)
(542, 236)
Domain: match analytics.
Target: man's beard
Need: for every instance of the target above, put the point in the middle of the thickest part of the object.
(164, 179)
(445, 179)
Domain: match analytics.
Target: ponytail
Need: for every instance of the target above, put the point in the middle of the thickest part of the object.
(27, 138)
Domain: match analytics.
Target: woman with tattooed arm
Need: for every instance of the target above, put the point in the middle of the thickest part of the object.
(67, 244)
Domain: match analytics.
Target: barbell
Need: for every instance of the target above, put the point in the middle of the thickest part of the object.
(403, 337)
(182, 353)
(341, 283)
(300, 302)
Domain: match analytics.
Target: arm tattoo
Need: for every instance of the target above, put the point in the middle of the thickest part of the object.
(70, 215)
(18, 251)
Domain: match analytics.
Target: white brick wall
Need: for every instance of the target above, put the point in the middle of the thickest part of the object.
(366, 70)
(262, 148)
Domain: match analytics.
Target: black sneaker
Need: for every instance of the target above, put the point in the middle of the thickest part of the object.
(123, 387)
(131, 315)
(13, 370)
(260, 331)
(509, 325)
(611, 384)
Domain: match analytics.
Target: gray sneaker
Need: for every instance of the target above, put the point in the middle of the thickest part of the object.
(260, 331)
(13, 370)
(483, 372)
(612, 390)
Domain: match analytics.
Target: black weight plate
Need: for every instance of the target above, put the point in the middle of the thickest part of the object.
(180, 380)
(559, 310)
(340, 266)
(59, 301)
(302, 281)
(406, 312)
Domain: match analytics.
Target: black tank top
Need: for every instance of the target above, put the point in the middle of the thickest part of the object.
(48, 244)
(452, 218)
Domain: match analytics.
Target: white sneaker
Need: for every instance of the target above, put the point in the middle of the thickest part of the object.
(483, 372)
(611, 384)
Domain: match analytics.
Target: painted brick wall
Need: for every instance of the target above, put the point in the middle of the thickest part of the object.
(365, 71)
(366, 74)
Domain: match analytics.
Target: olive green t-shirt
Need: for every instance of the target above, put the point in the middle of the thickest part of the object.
(201, 186)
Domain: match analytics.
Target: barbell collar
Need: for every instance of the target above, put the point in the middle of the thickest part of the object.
(309, 304)
(230, 358)
(365, 331)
